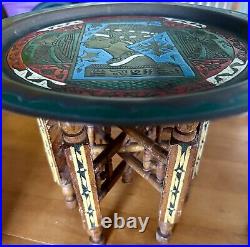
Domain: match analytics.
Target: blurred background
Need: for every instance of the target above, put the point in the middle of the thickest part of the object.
(14, 8)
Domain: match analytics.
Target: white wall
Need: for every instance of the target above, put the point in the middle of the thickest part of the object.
(239, 6)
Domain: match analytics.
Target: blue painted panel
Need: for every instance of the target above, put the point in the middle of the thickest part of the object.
(156, 46)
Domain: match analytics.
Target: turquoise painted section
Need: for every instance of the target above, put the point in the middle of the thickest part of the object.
(168, 52)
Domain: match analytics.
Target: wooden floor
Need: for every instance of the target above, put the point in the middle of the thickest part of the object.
(34, 211)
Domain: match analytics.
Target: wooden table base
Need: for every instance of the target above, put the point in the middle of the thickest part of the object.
(80, 158)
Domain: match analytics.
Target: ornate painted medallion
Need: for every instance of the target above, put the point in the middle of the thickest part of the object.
(128, 57)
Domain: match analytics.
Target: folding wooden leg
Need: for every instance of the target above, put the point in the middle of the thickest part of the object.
(52, 140)
(79, 161)
(182, 153)
(201, 140)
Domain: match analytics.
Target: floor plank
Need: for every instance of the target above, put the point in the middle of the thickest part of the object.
(10, 239)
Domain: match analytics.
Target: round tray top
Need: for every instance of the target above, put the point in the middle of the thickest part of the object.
(126, 63)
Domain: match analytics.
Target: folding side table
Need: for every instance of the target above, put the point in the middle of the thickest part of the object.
(155, 72)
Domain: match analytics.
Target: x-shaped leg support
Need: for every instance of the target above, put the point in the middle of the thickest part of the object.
(166, 156)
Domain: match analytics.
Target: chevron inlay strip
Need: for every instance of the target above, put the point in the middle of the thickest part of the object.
(79, 158)
(177, 183)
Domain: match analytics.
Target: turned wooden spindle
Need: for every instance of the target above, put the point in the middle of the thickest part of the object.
(73, 133)
(160, 166)
(147, 155)
(160, 171)
(91, 134)
(147, 160)
(92, 137)
(68, 193)
(108, 164)
(185, 132)
(159, 130)
(127, 176)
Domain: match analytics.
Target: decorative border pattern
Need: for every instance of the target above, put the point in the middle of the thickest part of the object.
(48, 150)
(180, 167)
(36, 79)
(233, 70)
(79, 159)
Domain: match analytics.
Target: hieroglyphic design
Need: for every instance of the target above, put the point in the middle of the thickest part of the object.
(202, 140)
(48, 150)
(180, 168)
(128, 56)
(81, 167)
(144, 42)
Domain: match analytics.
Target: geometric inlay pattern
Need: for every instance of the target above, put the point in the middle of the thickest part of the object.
(82, 173)
(181, 162)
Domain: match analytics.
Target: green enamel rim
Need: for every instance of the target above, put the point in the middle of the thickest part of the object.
(218, 102)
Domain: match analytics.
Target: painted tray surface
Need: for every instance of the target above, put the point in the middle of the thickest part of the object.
(103, 68)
